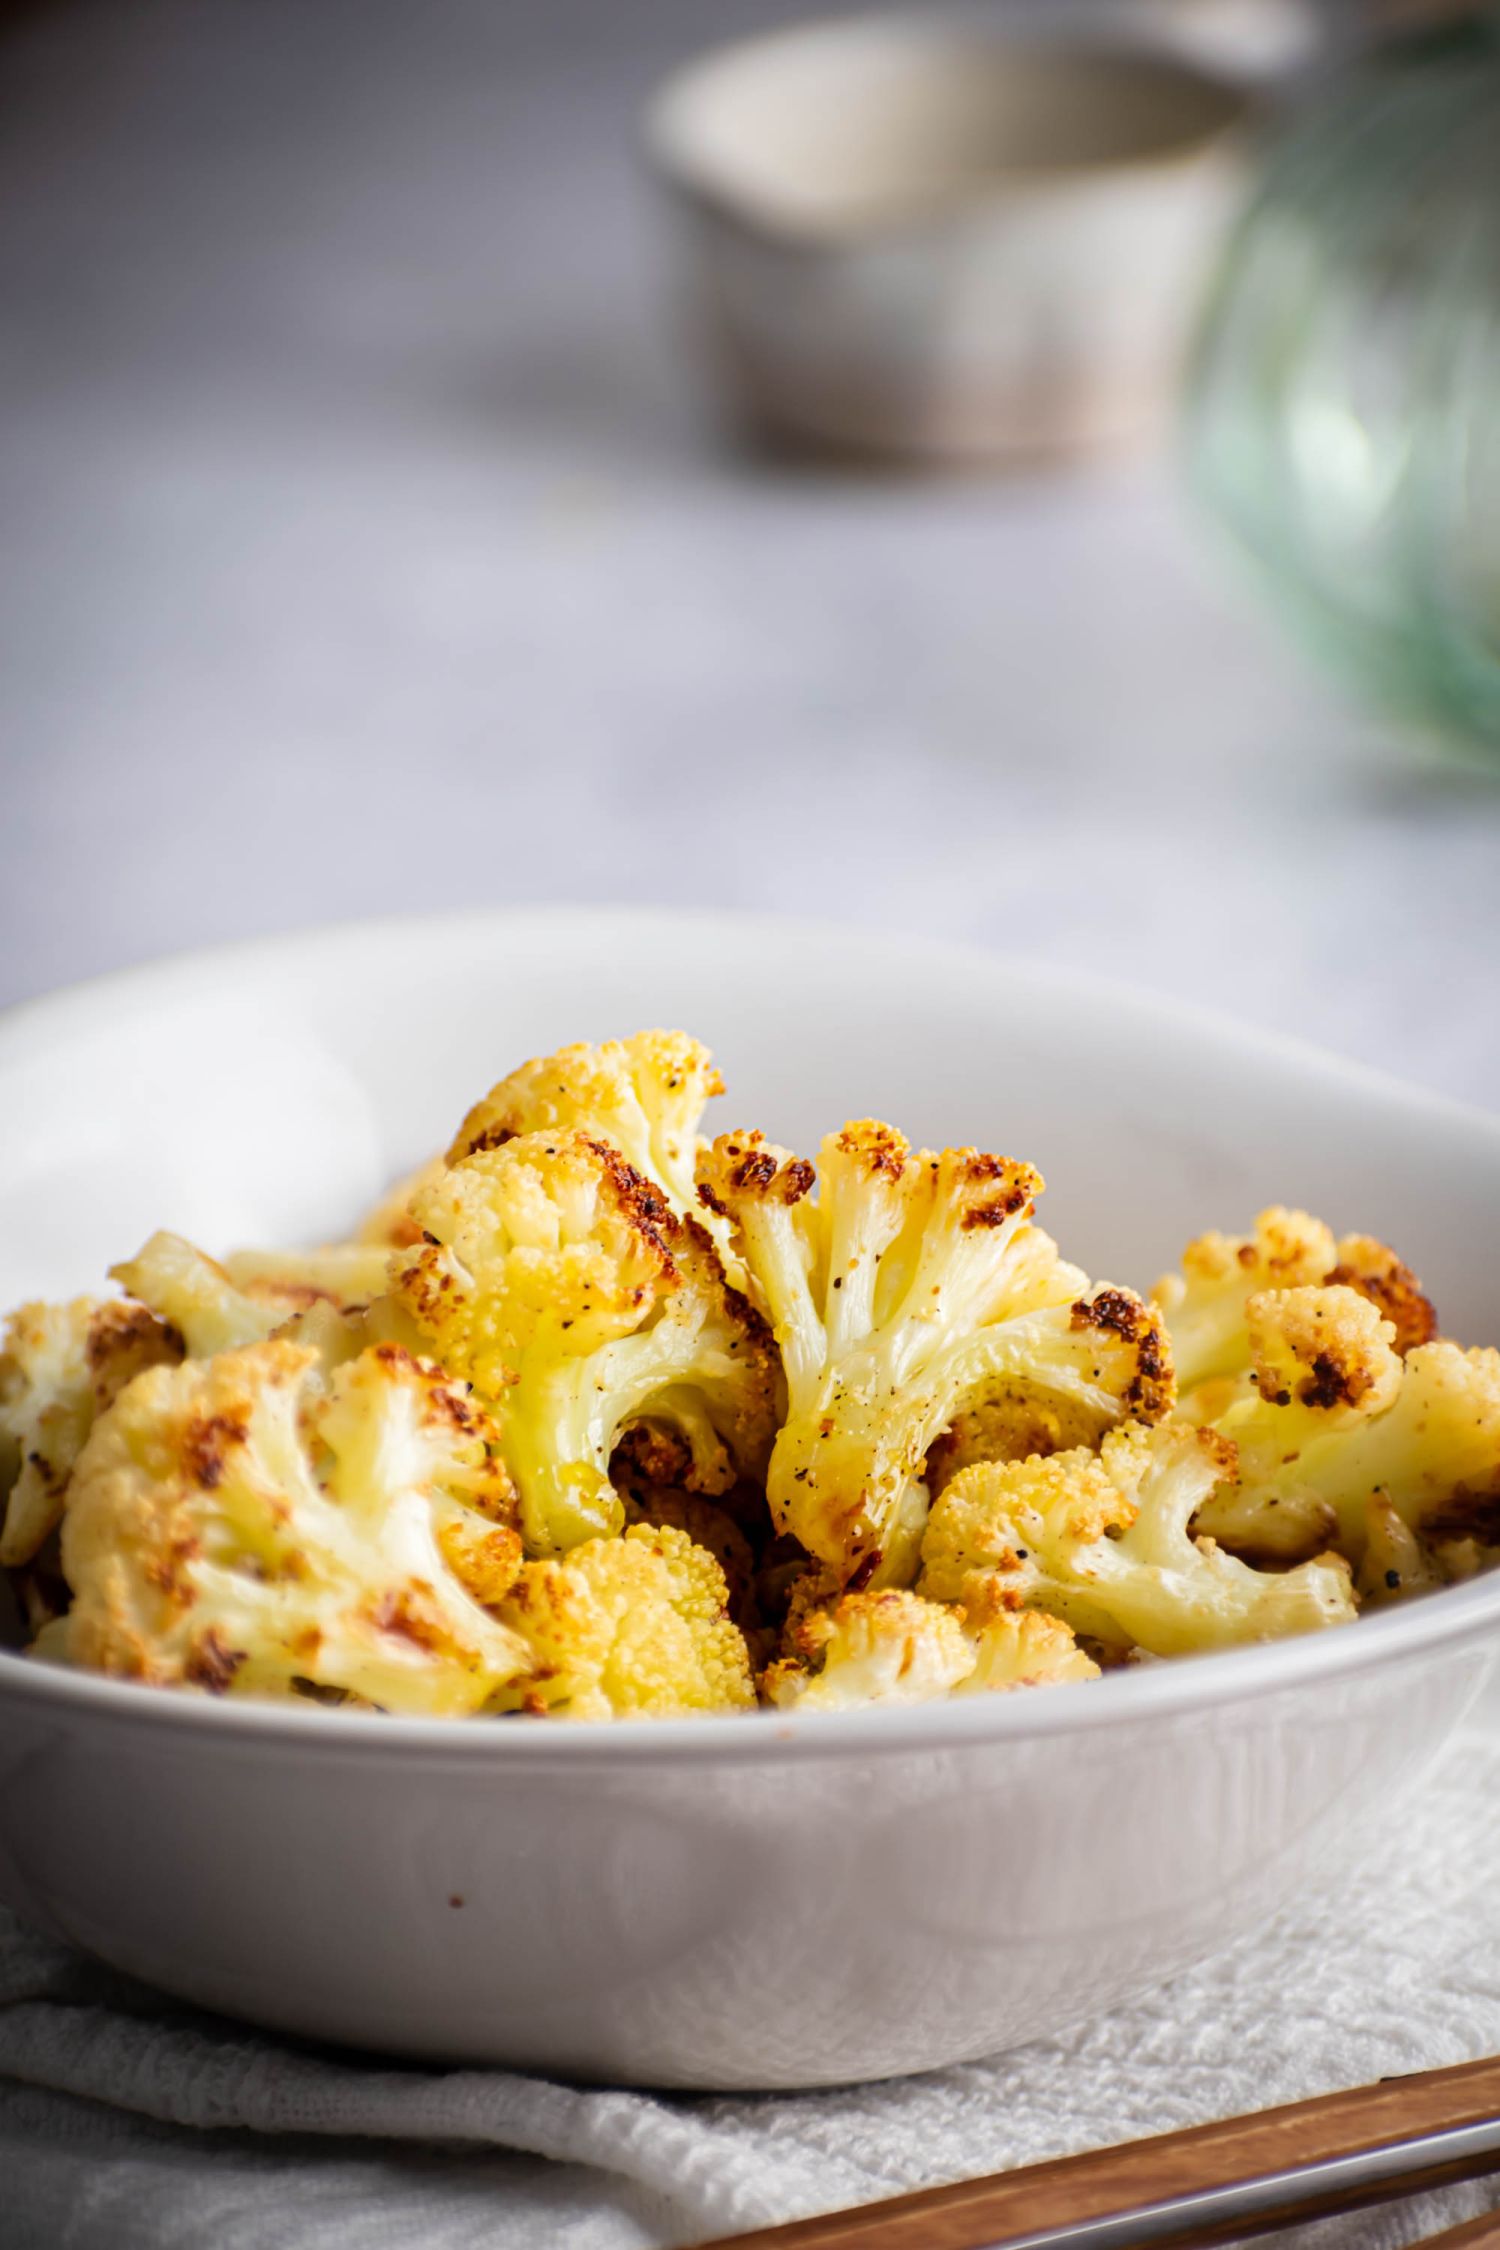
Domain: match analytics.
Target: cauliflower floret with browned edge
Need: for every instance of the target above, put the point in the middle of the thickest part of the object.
(1205, 1304)
(246, 1526)
(645, 1095)
(1392, 1288)
(1324, 1349)
(1320, 1360)
(635, 1627)
(914, 1287)
(889, 1646)
(1334, 1426)
(1102, 1541)
(894, 1646)
(219, 1306)
(1016, 1648)
(559, 1283)
(60, 1366)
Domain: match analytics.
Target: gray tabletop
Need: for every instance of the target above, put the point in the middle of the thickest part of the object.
(366, 544)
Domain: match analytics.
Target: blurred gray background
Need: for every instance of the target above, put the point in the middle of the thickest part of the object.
(367, 545)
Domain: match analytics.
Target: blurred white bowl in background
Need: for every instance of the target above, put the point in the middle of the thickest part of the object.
(912, 236)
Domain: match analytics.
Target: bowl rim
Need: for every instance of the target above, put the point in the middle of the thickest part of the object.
(675, 163)
(1457, 1614)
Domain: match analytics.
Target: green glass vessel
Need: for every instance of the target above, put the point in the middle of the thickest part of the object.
(1343, 408)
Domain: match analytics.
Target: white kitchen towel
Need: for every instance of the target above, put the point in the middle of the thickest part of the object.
(130, 2124)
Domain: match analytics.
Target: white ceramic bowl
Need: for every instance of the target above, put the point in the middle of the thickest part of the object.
(767, 1900)
(909, 235)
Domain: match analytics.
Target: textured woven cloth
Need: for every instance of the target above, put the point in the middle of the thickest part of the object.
(126, 2124)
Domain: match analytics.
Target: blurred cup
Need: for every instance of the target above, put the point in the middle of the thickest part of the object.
(917, 238)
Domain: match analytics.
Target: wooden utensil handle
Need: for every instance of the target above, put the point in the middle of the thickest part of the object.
(1013, 2208)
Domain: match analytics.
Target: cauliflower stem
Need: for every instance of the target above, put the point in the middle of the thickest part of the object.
(912, 1287)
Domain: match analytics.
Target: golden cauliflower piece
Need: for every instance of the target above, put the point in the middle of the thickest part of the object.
(1321, 1360)
(886, 1647)
(1102, 1541)
(217, 1307)
(63, 1364)
(1392, 1288)
(1323, 1349)
(559, 1283)
(644, 1095)
(243, 1526)
(914, 1288)
(1016, 1648)
(1205, 1304)
(899, 1647)
(1338, 1421)
(60, 1366)
(626, 1628)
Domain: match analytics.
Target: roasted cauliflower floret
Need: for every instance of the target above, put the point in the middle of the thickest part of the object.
(644, 1095)
(1392, 1288)
(893, 1646)
(558, 1282)
(914, 1287)
(594, 1419)
(1321, 1361)
(627, 1628)
(1322, 1358)
(63, 1364)
(60, 1366)
(1324, 1437)
(1016, 1648)
(1102, 1541)
(218, 1307)
(240, 1525)
(194, 1294)
(1205, 1304)
(1322, 1349)
(886, 1647)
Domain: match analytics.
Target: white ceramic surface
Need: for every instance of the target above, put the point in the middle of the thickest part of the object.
(912, 235)
(758, 1901)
